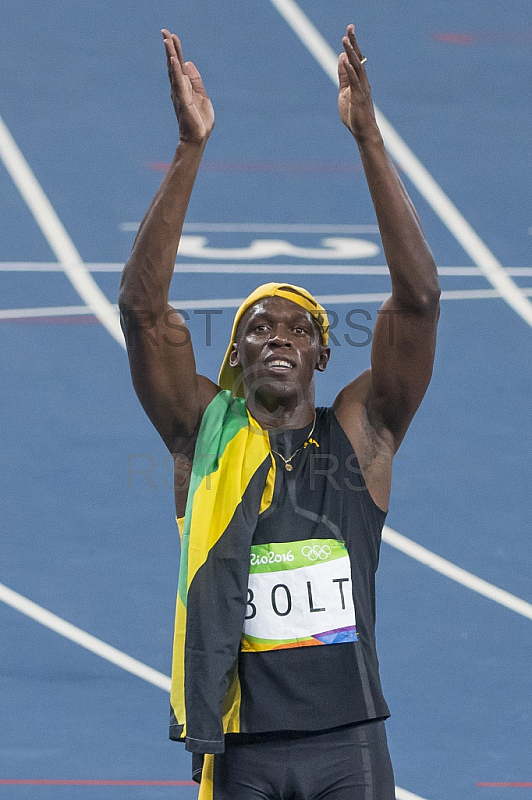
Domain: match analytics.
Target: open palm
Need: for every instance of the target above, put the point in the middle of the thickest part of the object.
(354, 97)
(194, 111)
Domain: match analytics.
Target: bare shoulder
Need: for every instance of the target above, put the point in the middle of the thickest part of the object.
(207, 391)
(374, 447)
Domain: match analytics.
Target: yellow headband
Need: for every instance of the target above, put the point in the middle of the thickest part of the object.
(229, 375)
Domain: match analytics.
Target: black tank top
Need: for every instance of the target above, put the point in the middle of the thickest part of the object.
(321, 510)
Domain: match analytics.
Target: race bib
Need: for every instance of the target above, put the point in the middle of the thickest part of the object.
(299, 594)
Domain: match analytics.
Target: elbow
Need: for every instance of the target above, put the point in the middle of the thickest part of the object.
(134, 301)
(129, 315)
(425, 295)
(417, 289)
(428, 301)
(129, 309)
(142, 287)
(130, 294)
(134, 314)
(123, 301)
(424, 301)
(432, 292)
(428, 293)
(126, 302)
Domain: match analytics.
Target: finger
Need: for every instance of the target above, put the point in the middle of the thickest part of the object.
(351, 74)
(352, 59)
(169, 47)
(168, 41)
(178, 49)
(352, 39)
(178, 80)
(191, 70)
(342, 74)
(172, 62)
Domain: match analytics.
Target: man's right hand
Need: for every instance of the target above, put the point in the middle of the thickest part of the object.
(194, 111)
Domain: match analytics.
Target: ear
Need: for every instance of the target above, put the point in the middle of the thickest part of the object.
(233, 356)
(323, 360)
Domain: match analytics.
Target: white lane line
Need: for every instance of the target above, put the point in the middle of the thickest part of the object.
(261, 227)
(56, 235)
(302, 269)
(156, 678)
(473, 245)
(104, 650)
(235, 302)
(241, 269)
(84, 639)
(380, 297)
(51, 311)
(450, 570)
(229, 268)
(402, 794)
(296, 269)
(523, 272)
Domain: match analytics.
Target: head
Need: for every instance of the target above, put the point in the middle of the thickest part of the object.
(277, 346)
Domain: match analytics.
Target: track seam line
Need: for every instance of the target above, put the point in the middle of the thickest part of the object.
(434, 195)
(55, 234)
(88, 782)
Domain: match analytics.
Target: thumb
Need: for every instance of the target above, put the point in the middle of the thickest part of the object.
(342, 72)
(191, 70)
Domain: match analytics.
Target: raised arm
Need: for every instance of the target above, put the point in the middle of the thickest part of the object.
(404, 338)
(160, 354)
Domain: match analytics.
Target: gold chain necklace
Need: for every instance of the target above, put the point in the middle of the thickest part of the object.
(287, 465)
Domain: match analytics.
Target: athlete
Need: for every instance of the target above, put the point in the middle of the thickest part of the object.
(280, 505)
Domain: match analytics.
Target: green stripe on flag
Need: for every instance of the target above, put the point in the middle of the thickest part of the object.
(215, 433)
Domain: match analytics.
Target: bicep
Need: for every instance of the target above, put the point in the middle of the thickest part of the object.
(402, 358)
(163, 370)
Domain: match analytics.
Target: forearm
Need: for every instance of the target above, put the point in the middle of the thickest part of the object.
(412, 268)
(148, 272)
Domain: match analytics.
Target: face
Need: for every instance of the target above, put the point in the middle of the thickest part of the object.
(278, 346)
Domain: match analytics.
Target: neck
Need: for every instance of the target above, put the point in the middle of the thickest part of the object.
(281, 415)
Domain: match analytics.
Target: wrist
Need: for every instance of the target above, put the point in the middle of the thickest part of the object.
(188, 152)
(192, 146)
(369, 139)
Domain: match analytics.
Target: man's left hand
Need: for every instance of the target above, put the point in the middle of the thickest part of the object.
(354, 98)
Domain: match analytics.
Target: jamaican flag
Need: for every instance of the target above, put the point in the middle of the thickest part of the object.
(232, 481)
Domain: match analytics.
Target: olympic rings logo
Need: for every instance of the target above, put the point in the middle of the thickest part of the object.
(317, 552)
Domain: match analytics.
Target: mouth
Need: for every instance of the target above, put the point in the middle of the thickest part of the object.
(279, 365)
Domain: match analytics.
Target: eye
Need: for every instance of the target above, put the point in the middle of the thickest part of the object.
(261, 327)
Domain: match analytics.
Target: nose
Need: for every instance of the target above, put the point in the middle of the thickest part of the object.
(279, 338)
